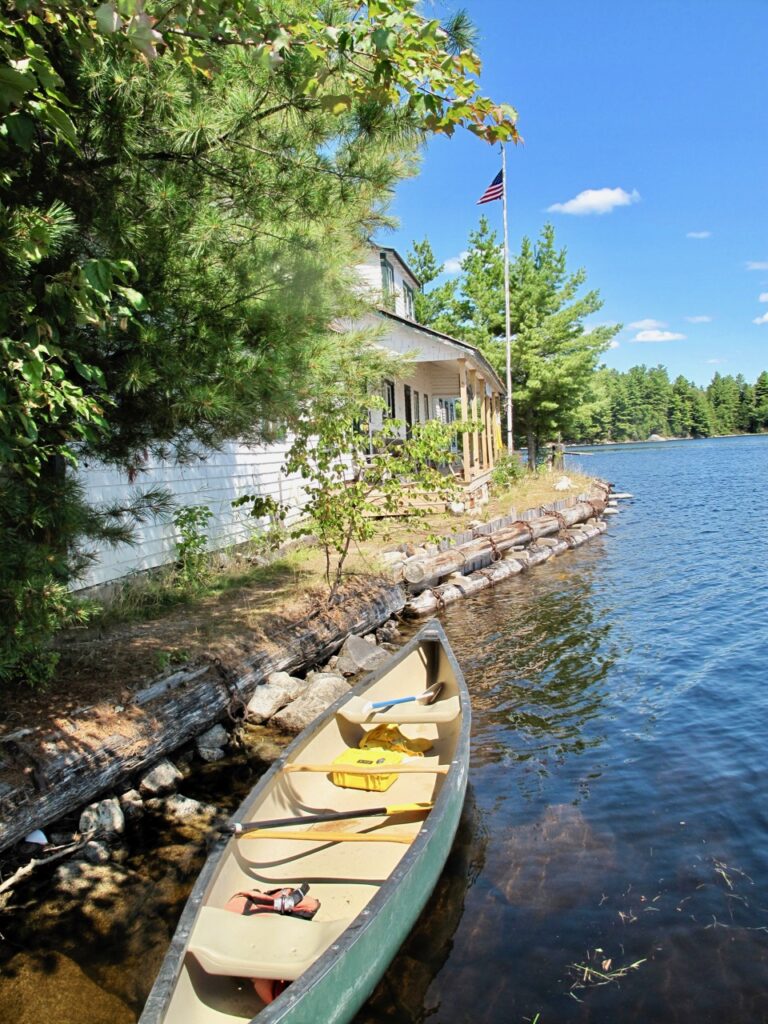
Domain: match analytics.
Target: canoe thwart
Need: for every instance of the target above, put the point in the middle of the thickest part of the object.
(412, 768)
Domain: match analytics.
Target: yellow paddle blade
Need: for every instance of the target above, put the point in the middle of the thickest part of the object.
(425, 805)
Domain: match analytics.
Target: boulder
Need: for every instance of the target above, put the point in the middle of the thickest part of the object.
(104, 818)
(96, 852)
(163, 778)
(211, 754)
(357, 655)
(216, 736)
(132, 804)
(388, 632)
(298, 715)
(184, 809)
(279, 689)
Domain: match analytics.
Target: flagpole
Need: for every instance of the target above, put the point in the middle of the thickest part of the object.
(510, 440)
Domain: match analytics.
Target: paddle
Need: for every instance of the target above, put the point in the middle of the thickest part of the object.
(429, 696)
(364, 769)
(330, 837)
(238, 828)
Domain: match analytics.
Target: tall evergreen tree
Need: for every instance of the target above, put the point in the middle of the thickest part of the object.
(181, 191)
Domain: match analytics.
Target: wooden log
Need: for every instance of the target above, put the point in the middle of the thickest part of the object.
(421, 605)
(50, 772)
(421, 571)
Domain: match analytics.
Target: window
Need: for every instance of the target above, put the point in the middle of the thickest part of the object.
(389, 398)
(408, 300)
(416, 416)
(387, 280)
(426, 406)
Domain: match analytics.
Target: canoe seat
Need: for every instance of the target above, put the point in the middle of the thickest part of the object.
(262, 946)
(401, 714)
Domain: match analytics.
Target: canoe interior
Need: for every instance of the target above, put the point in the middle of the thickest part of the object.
(224, 950)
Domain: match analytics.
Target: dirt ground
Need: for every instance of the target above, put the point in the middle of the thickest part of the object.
(245, 609)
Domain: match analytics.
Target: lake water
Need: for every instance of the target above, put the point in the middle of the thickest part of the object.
(620, 807)
(617, 820)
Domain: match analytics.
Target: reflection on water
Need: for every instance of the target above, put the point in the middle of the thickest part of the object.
(618, 816)
(619, 737)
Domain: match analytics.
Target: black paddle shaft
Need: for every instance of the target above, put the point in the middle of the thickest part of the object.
(238, 828)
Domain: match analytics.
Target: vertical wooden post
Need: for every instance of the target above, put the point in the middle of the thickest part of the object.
(475, 434)
(464, 418)
(492, 430)
(486, 438)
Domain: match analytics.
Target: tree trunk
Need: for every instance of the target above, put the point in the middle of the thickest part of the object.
(532, 445)
(49, 772)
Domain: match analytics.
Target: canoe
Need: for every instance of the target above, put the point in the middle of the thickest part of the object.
(372, 875)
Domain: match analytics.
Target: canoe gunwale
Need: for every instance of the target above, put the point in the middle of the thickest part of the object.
(453, 788)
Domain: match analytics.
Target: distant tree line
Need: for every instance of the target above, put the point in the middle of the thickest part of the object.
(642, 401)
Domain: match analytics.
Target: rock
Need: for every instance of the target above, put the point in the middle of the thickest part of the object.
(457, 508)
(104, 818)
(388, 632)
(331, 663)
(432, 549)
(280, 689)
(132, 805)
(161, 779)
(185, 809)
(358, 656)
(211, 754)
(563, 484)
(370, 638)
(216, 736)
(96, 852)
(301, 712)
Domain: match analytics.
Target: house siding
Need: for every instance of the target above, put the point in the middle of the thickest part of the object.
(214, 481)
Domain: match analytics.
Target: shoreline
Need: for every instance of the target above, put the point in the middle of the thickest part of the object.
(49, 773)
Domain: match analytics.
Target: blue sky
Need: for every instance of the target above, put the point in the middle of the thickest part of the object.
(665, 104)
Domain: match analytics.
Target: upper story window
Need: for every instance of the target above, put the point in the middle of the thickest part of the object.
(408, 300)
(387, 279)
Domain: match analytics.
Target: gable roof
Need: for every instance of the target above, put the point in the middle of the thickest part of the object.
(463, 347)
(400, 260)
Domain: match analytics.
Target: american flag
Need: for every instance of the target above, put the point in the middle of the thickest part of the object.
(494, 190)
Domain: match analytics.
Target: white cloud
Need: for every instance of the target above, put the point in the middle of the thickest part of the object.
(646, 325)
(596, 200)
(453, 264)
(761, 319)
(699, 319)
(658, 336)
(757, 264)
(716, 362)
(763, 297)
(614, 344)
(698, 234)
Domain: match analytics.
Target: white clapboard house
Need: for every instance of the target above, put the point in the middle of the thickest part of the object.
(448, 380)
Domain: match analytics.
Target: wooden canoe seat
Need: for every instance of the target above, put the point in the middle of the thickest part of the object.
(260, 946)
(401, 714)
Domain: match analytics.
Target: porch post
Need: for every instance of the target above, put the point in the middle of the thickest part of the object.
(464, 418)
(486, 438)
(489, 428)
(475, 434)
